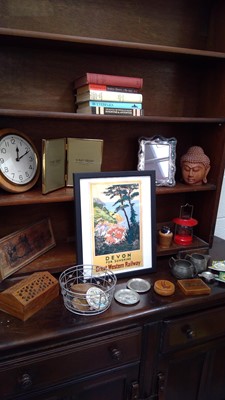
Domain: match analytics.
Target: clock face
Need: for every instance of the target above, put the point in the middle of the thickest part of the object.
(18, 160)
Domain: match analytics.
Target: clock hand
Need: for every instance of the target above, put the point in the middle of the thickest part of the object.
(17, 154)
(23, 155)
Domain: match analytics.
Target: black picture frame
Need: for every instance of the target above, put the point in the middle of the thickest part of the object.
(115, 219)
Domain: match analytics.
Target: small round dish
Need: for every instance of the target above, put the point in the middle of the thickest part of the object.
(218, 266)
(219, 280)
(138, 285)
(127, 297)
(97, 298)
(208, 276)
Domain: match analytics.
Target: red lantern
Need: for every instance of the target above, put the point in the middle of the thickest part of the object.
(183, 234)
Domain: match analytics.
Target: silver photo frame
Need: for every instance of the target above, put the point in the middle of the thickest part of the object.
(158, 153)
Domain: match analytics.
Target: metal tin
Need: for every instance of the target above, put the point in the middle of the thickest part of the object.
(97, 298)
(127, 296)
(138, 285)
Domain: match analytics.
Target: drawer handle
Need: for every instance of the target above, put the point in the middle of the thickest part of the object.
(161, 382)
(25, 381)
(189, 332)
(115, 353)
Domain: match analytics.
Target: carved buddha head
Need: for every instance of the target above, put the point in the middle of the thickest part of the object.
(195, 166)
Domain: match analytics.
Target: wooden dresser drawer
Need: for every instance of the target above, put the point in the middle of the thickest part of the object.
(193, 329)
(49, 368)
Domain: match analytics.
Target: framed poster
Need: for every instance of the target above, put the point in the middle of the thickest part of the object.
(115, 221)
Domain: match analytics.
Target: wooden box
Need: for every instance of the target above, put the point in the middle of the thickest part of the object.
(30, 295)
(192, 287)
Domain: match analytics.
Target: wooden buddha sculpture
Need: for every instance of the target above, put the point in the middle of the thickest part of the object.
(195, 166)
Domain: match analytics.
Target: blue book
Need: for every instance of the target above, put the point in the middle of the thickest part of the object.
(110, 104)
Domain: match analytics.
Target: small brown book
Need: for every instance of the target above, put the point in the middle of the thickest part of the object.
(192, 287)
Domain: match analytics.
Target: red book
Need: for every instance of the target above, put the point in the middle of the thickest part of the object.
(113, 80)
(107, 88)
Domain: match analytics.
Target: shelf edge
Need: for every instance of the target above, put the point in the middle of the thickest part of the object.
(16, 113)
(9, 33)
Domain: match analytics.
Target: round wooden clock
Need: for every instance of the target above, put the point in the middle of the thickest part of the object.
(19, 161)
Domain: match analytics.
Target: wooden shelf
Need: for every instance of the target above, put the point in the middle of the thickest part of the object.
(35, 196)
(175, 248)
(15, 113)
(25, 37)
(55, 260)
(183, 69)
(64, 256)
(182, 188)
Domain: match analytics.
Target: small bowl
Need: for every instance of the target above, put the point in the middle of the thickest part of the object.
(207, 276)
(86, 292)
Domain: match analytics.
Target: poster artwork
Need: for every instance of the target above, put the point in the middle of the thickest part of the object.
(117, 227)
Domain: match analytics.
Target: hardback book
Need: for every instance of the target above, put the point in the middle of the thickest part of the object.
(114, 80)
(109, 104)
(135, 112)
(103, 95)
(93, 86)
(64, 156)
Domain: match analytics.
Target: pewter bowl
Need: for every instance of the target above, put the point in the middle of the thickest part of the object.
(207, 276)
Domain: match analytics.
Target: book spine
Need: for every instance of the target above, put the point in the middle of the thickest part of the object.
(109, 104)
(102, 95)
(114, 80)
(93, 86)
(113, 88)
(116, 111)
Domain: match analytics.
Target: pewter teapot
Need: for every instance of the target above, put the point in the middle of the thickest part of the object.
(200, 261)
(182, 268)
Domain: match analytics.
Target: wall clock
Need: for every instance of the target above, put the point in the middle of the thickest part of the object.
(19, 161)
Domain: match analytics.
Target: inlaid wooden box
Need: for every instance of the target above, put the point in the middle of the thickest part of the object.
(30, 295)
(192, 287)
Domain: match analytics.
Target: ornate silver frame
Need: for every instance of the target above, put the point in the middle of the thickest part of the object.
(158, 153)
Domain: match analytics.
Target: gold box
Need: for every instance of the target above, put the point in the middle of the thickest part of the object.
(62, 157)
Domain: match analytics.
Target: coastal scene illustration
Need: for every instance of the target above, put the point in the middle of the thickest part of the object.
(116, 223)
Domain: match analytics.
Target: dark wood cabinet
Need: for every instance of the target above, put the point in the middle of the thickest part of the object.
(105, 366)
(177, 48)
(162, 348)
(191, 361)
(117, 384)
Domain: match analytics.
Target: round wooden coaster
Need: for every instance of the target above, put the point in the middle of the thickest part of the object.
(80, 304)
(80, 287)
(164, 288)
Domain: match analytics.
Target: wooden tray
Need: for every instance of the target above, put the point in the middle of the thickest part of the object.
(192, 287)
(28, 296)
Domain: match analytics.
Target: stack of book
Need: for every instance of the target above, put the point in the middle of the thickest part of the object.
(108, 94)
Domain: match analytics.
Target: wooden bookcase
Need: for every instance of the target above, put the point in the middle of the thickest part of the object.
(178, 48)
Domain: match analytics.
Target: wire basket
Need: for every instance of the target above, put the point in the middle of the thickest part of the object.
(86, 292)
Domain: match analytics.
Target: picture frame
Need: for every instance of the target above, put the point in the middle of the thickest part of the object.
(115, 218)
(25, 245)
(159, 154)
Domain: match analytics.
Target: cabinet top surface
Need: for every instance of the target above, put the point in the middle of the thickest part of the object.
(55, 323)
